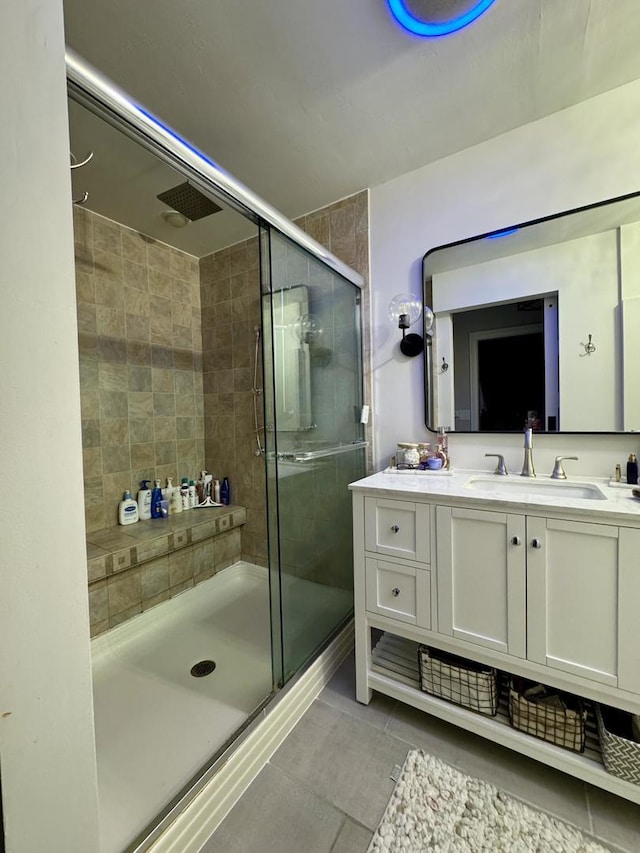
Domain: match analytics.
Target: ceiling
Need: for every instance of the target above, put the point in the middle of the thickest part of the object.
(306, 102)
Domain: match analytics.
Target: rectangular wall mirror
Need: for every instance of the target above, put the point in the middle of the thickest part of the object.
(538, 325)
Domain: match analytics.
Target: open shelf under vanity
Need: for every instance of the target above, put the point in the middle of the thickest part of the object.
(394, 672)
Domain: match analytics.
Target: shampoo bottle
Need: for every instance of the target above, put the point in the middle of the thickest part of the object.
(184, 494)
(225, 492)
(175, 500)
(127, 509)
(144, 501)
(156, 500)
(193, 496)
(216, 491)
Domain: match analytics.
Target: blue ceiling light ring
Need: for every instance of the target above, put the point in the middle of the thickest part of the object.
(424, 28)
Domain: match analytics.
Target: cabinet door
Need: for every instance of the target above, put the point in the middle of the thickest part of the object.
(397, 529)
(481, 578)
(572, 597)
(629, 609)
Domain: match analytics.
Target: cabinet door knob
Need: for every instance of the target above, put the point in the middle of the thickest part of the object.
(516, 540)
(395, 528)
(536, 543)
(395, 591)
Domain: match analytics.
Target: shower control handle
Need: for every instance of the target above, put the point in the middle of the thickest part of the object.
(395, 591)
(395, 528)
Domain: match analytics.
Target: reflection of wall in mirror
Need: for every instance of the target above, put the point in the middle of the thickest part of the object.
(584, 272)
(630, 322)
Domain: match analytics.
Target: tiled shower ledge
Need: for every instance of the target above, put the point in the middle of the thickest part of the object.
(117, 549)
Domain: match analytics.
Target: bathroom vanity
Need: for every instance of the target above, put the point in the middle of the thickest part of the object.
(536, 577)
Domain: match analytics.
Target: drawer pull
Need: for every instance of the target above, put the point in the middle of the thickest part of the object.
(395, 528)
(536, 543)
(516, 540)
(395, 591)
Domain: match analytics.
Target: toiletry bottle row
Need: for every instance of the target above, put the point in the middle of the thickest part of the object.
(161, 502)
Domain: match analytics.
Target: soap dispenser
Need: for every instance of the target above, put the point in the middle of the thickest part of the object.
(127, 509)
(144, 501)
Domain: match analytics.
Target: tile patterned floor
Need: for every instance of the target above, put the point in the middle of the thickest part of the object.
(325, 789)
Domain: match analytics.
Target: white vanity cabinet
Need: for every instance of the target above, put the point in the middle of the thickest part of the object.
(545, 589)
(549, 593)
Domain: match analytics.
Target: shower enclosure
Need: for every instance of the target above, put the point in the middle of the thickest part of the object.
(252, 334)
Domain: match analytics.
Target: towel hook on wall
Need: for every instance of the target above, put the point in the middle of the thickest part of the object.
(77, 165)
(588, 348)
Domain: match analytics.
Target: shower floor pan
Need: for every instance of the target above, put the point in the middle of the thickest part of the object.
(156, 724)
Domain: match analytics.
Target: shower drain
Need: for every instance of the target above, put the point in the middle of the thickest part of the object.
(202, 668)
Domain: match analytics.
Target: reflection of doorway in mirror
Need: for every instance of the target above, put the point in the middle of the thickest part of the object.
(506, 366)
(507, 379)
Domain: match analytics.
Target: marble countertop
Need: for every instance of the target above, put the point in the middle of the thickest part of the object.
(618, 505)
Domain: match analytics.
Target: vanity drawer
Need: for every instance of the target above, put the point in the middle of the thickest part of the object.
(398, 591)
(397, 529)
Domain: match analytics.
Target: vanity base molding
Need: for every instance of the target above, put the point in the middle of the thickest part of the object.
(393, 670)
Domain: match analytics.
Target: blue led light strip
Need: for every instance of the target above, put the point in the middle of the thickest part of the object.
(424, 28)
(506, 233)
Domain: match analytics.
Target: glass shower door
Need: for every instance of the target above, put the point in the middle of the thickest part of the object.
(314, 443)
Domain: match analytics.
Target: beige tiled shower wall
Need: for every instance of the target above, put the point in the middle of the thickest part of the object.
(343, 227)
(230, 295)
(140, 343)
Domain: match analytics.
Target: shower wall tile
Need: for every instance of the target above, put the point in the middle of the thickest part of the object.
(180, 567)
(124, 592)
(154, 578)
(125, 615)
(138, 303)
(157, 599)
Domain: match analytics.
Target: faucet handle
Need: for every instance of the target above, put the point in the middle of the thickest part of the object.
(501, 468)
(558, 471)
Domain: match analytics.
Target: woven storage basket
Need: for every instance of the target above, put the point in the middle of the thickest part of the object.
(621, 755)
(458, 680)
(563, 726)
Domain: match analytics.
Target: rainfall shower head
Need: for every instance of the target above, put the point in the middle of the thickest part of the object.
(189, 201)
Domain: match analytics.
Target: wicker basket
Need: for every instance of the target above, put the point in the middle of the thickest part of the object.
(458, 680)
(561, 722)
(620, 754)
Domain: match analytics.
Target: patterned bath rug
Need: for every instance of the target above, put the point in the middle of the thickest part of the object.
(437, 809)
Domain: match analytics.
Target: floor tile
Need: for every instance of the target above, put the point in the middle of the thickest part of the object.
(535, 783)
(615, 820)
(340, 693)
(353, 838)
(277, 815)
(344, 760)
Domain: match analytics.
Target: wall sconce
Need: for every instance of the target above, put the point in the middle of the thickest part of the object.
(404, 311)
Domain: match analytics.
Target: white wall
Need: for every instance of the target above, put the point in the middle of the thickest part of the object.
(47, 755)
(580, 155)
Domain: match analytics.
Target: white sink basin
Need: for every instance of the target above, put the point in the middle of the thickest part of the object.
(533, 486)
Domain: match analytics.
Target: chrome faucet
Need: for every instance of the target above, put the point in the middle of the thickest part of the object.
(558, 470)
(501, 468)
(527, 466)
